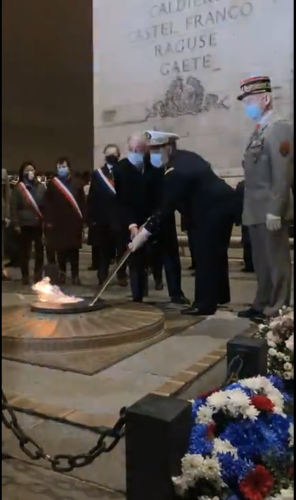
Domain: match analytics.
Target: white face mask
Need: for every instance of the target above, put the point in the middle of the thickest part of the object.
(31, 176)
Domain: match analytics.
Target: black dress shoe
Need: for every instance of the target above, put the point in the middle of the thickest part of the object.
(191, 268)
(252, 314)
(182, 300)
(196, 311)
(92, 268)
(158, 285)
(247, 270)
(223, 303)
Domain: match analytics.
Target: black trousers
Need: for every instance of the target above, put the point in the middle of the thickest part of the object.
(28, 236)
(138, 272)
(50, 255)
(156, 260)
(211, 242)
(165, 254)
(247, 249)
(95, 256)
(190, 235)
(110, 242)
(70, 255)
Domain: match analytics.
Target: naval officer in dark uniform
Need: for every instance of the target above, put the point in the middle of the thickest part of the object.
(268, 200)
(191, 186)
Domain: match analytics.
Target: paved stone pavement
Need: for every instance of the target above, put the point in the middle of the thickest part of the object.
(103, 395)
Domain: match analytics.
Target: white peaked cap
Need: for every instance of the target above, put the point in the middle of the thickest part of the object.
(158, 138)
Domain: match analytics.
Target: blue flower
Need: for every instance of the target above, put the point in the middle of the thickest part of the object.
(233, 469)
(198, 443)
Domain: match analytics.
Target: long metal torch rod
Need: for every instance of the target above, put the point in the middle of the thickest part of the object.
(111, 276)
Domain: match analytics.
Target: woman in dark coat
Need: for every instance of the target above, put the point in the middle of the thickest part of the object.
(26, 211)
(65, 209)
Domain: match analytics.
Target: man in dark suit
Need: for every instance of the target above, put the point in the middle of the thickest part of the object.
(105, 219)
(135, 185)
(165, 246)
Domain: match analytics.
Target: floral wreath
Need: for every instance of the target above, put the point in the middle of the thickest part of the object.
(241, 445)
(279, 334)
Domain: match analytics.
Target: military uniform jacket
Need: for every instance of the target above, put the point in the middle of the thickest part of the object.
(268, 165)
(191, 187)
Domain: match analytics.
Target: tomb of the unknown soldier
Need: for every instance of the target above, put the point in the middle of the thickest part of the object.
(147, 250)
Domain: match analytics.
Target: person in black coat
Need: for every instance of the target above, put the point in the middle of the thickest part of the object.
(135, 186)
(165, 246)
(208, 203)
(105, 218)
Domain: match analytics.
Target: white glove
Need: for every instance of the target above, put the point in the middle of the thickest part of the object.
(273, 222)
(139, 240)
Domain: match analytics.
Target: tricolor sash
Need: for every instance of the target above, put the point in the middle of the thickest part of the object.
(105, 181)
(67, 194)
(30, 199)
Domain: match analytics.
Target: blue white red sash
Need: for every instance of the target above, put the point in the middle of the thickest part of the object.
(104, 180)
(68, 195)
(30, 199)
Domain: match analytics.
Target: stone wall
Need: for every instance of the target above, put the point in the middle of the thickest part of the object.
(47, 83)
(177, 64)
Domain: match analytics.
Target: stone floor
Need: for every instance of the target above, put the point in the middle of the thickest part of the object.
(103, 395)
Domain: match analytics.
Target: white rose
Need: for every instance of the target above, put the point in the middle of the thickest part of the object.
(287, 358)
(272, 352)
(287, 367)
(271, 343)
(288, 375)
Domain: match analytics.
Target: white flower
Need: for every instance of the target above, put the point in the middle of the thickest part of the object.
(291, 435)
(251, 413)
(204, 415)
(271, 343)
(287, 367)
(224, 446)
(288, 375)
(287, 358)
(195, 467)
(217, 399)
(272, 352)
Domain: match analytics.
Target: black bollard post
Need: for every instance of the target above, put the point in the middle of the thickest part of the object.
(253, 354)
(157, 434)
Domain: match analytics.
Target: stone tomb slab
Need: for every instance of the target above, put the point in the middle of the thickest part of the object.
(90, 342)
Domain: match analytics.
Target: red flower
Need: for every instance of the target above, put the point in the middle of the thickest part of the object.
(262, 402)
(210, 431)
(257, 484)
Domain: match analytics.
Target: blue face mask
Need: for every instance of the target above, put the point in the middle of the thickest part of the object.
(156, 160)
(253, 111)
(135, 158)
(63, 172)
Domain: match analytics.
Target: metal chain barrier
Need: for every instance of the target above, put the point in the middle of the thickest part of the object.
(233, 370)
(109, 438)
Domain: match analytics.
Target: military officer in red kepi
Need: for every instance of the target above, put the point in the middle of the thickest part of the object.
(268, 199)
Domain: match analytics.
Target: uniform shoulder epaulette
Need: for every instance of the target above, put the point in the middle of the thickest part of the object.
(169, 170)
